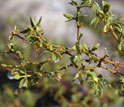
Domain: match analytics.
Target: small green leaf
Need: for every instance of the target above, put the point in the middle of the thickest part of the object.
(120, 46)
(81, 78)
(85, 46)
(95, 47)
(95, 6)
(104, 3)
(69, 20)
(58, 54)
(116, 26)
(38, 24)
(81, 35)
(95, 21)
(79, 13)
(19, 54)
(22, 82)
(106, 29)
(122, 87)
(106, 6)
(51, 47)
(89, 1)
(78, 47)
(96, 79)
(11, 37)
(106, 52)
(68, 16)
(76, 76)
(74, 47)
(122, 80)
(32, 22)
(76, 59)
(95, 58)
(54, 57)
(85, 2)
(17, 76)
(100, 85)
(73, 3)
(16, 28)
(59, 76)
(25, 31)
(22, 72)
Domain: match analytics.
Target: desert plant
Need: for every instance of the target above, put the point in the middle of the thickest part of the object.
(29, 72)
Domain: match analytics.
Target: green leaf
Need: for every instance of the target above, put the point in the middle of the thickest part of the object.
(75, 4)
(106, 29)
(92, 75)
(16, 28)
(76, 59)
(116, 26)
(22, 72)
(89, 1)
(85, 2)
(95, 21)
(51, 47)
(68, 16)
(106, 52)
(81, 35)
(104, 3)
(76, 76)
(85, 46)
(78, 47)
(121, 45)
(54, 57)
(95, 79)
(81, 78)
(122, 80)
(58, 54)
(17, 76)
(122, 87)
(11, 37)
(100, 85)
(25, 31)
(22, 82)
(68, 20)
(95, 6)
(74, 47)
(19, 54)
(95, 47)
(96, 93)
(32, 22)
(94, 58)
(106, 6)
(38, 24)
(79, 13)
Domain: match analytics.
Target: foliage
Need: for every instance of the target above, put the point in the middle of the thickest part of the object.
(40, 73)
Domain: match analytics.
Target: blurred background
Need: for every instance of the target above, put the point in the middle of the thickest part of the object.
(17, 12)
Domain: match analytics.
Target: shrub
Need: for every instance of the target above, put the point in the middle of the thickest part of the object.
(51, 75)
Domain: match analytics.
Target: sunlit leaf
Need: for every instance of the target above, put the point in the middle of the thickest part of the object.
(38, 24)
